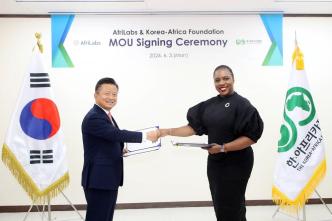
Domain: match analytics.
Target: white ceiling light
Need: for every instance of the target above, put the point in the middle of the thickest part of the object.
(90, 1)
(303, 1)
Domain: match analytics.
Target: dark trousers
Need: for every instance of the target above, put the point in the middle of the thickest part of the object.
(228, 178)
(100, 204)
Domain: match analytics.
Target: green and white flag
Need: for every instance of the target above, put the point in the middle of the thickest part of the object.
(34, 150)
(301, 156)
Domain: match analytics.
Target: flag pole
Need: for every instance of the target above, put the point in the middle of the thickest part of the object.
(39, 44)
(304, 217)
(49, 208)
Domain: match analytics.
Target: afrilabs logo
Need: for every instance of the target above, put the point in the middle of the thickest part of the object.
(40, 119)
(60, 25)
(87, 42)
(299, 111)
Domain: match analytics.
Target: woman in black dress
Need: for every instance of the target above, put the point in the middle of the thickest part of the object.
(232, 125)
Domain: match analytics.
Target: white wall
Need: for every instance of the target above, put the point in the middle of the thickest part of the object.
(170, 174)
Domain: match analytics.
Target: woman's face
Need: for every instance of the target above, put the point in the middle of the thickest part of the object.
(223, 82)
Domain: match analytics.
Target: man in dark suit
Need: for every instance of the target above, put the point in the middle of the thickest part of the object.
(103, 150)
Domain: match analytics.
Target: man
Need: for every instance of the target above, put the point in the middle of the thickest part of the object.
(103, 149)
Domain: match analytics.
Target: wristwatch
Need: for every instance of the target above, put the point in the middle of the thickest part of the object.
(222, 149)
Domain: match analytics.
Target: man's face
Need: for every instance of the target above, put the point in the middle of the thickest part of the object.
(106, 96)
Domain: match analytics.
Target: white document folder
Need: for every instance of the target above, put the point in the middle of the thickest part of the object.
(146, 146)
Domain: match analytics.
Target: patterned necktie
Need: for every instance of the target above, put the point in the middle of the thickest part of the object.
(110, 117)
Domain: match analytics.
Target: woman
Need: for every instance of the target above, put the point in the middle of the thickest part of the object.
(232, 125)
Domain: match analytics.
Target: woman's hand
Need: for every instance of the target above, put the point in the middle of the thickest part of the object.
(216, 148)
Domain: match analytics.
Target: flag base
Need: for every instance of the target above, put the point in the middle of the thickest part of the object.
(304, 217)
(49, 211)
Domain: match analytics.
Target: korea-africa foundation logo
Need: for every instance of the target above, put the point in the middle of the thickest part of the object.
(299, 112)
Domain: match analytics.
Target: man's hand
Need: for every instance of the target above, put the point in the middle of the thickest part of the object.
(153, 135)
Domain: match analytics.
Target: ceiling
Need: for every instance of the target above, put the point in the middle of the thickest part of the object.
(42, 7)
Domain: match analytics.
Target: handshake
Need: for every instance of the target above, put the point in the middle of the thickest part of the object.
(183, 131)
(156, 134)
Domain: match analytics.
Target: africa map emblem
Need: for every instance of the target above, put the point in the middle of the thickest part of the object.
(299, 111)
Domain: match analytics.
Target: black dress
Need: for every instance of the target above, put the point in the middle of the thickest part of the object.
(223, 119)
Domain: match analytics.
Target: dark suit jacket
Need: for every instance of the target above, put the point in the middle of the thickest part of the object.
(103, 146)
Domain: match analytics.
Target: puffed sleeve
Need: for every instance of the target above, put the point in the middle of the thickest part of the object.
(249, 123)
(194, 117)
